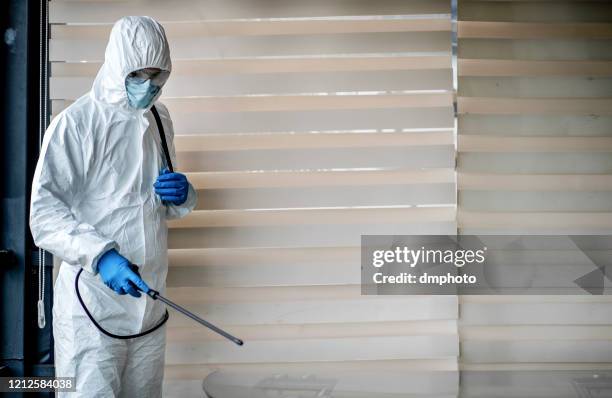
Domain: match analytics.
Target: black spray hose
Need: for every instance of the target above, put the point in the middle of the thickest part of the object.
(154, 294)
(106, 332)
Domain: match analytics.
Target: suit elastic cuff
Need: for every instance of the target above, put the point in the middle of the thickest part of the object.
(93, 267)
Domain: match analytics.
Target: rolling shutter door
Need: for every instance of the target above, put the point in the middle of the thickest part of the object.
(535, 143)
(303, 125)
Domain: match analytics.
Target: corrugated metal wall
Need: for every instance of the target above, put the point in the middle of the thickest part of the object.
(303, 124)
(535, 156)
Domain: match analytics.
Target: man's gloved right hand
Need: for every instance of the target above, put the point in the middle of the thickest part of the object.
(115, 271)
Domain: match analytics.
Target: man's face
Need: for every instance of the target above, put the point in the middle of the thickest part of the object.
(144, 85)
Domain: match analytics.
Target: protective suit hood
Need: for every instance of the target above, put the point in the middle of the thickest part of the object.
(134, 43)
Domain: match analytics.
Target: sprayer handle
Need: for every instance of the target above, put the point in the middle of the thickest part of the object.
(152, 293)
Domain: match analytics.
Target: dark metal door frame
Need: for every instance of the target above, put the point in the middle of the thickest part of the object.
(25, 350)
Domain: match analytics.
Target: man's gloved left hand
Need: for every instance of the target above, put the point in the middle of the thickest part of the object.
(172, 187)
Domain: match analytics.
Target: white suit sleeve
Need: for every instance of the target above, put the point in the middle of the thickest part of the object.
(177, 211)
(58, 179)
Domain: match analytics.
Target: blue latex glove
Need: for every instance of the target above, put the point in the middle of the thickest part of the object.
(115, 271)
(172, 187)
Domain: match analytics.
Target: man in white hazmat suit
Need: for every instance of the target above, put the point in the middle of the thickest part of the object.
(97, 205)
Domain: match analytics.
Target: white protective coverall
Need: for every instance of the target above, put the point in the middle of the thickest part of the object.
(93, 191)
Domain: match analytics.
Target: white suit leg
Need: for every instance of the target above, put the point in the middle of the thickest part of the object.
(97, 361)
(144, 369)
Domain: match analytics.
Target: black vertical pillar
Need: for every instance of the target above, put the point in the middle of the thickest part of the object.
(25, 350)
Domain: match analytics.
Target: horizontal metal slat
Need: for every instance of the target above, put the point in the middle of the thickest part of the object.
(213, 294)
(276, 26)
(298, 235)
(536, 162)
(220, 218)
(275, 83)
(327, 196)
(374, 158)
(322, 139)
(309, 102)
(548, 87)
(314, 120)
(194, 372)
(359, 309)
(366, 382)
(306, 121)
(507, 67)
(534, 220)
(285, 103)
(322, 273)
(533, 367)
(537, 49)
(260, 256)
(339, 330)
(536, 201)
(547, 106)
(542, 11)
(486, 143)
(536, 351)
(534, 299)
(536, 332)
(245, 179)
(534, 182)
(567, 310)
(541, 125)
(318, 350)
(532, 30)
(194, 47)
(294, 64)
(100, 12)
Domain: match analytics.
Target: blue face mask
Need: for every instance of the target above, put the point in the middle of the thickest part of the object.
(140, 93)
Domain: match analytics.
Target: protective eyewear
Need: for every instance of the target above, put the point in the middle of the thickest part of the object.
(157, 76)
